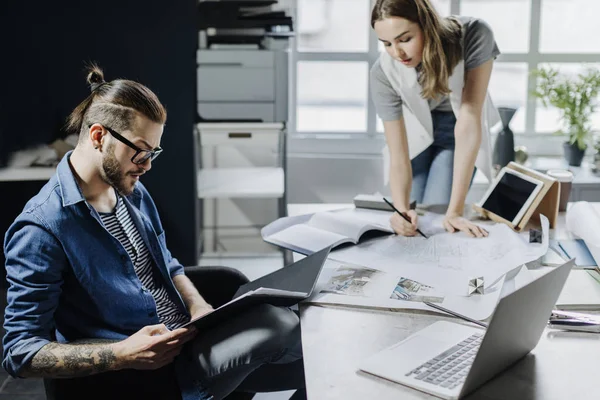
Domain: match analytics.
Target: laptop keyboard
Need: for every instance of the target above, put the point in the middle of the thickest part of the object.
(450, 368)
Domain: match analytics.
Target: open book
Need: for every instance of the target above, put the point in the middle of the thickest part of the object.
(284, 287)
(331, 228)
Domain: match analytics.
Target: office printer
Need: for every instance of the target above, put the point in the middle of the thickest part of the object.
(243, 61)
(251, 22)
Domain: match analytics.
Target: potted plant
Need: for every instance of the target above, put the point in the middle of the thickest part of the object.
(576, 101)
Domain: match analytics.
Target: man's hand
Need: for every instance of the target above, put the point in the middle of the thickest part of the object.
(454, 222)
(402, 226)
(151, 347)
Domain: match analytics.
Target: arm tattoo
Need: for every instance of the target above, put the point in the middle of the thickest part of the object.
(80, 358)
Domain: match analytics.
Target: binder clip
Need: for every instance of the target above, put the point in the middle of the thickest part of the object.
(535, 236)
(476, 286)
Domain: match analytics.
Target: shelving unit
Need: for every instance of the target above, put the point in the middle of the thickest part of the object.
(26, 174)
(217, 181)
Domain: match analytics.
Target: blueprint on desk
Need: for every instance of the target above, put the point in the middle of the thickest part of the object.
(446, 261)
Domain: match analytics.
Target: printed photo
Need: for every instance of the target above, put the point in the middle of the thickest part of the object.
(409, 290)
(350, 281)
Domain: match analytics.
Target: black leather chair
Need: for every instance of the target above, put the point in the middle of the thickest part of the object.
(216, 284)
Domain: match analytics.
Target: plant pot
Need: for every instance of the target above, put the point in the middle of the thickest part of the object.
(573, 154)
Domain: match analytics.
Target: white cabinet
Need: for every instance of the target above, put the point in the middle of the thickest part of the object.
(226, 174)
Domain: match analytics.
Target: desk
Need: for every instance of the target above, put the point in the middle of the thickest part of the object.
(564, 365)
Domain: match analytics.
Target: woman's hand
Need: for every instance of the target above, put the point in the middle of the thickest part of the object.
(403, 227)
(455, 222)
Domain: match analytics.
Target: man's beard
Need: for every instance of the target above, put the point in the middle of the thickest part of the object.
(112, 173)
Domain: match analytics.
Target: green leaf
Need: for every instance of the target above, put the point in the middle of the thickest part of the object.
(575, 99)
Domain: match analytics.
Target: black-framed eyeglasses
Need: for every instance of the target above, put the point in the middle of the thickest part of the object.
(141, 155)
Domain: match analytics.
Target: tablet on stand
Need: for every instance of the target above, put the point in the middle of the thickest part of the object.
(518, 194)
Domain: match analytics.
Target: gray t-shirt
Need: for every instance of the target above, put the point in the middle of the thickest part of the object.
(479, 47)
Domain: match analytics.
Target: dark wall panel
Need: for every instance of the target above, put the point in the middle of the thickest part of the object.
(43, 47)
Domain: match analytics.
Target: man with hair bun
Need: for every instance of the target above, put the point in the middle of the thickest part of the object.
(94, 294)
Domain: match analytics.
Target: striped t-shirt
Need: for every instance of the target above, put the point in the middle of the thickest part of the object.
(121, 226)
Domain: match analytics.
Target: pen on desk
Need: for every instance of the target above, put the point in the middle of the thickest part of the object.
(403, 216)
(456, 314)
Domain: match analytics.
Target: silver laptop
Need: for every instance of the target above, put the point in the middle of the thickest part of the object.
(450, 360)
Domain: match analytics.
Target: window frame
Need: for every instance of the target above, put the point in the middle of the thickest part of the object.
(371, 141)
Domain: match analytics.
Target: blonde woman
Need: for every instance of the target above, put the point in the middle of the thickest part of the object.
(430, 89)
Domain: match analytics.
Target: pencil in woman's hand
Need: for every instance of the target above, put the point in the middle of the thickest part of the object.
(403, 216)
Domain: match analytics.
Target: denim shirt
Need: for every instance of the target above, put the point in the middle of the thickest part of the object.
(70, 279)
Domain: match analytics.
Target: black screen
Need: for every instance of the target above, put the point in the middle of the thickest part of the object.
(508, 196)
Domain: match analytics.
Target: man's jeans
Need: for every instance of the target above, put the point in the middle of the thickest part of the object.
(259, 351)
(433, 168)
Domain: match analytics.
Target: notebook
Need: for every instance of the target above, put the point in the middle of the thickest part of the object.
(285, 287)
(577, 249)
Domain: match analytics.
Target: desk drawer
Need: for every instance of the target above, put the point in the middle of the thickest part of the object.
(240, 135)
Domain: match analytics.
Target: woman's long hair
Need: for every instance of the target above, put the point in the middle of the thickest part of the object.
(442, 44)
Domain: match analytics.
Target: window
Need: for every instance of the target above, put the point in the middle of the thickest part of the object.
(570, 26)
(332, 96)
(508, 88)
(335, 47)
(508, 18)
(333, 25)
